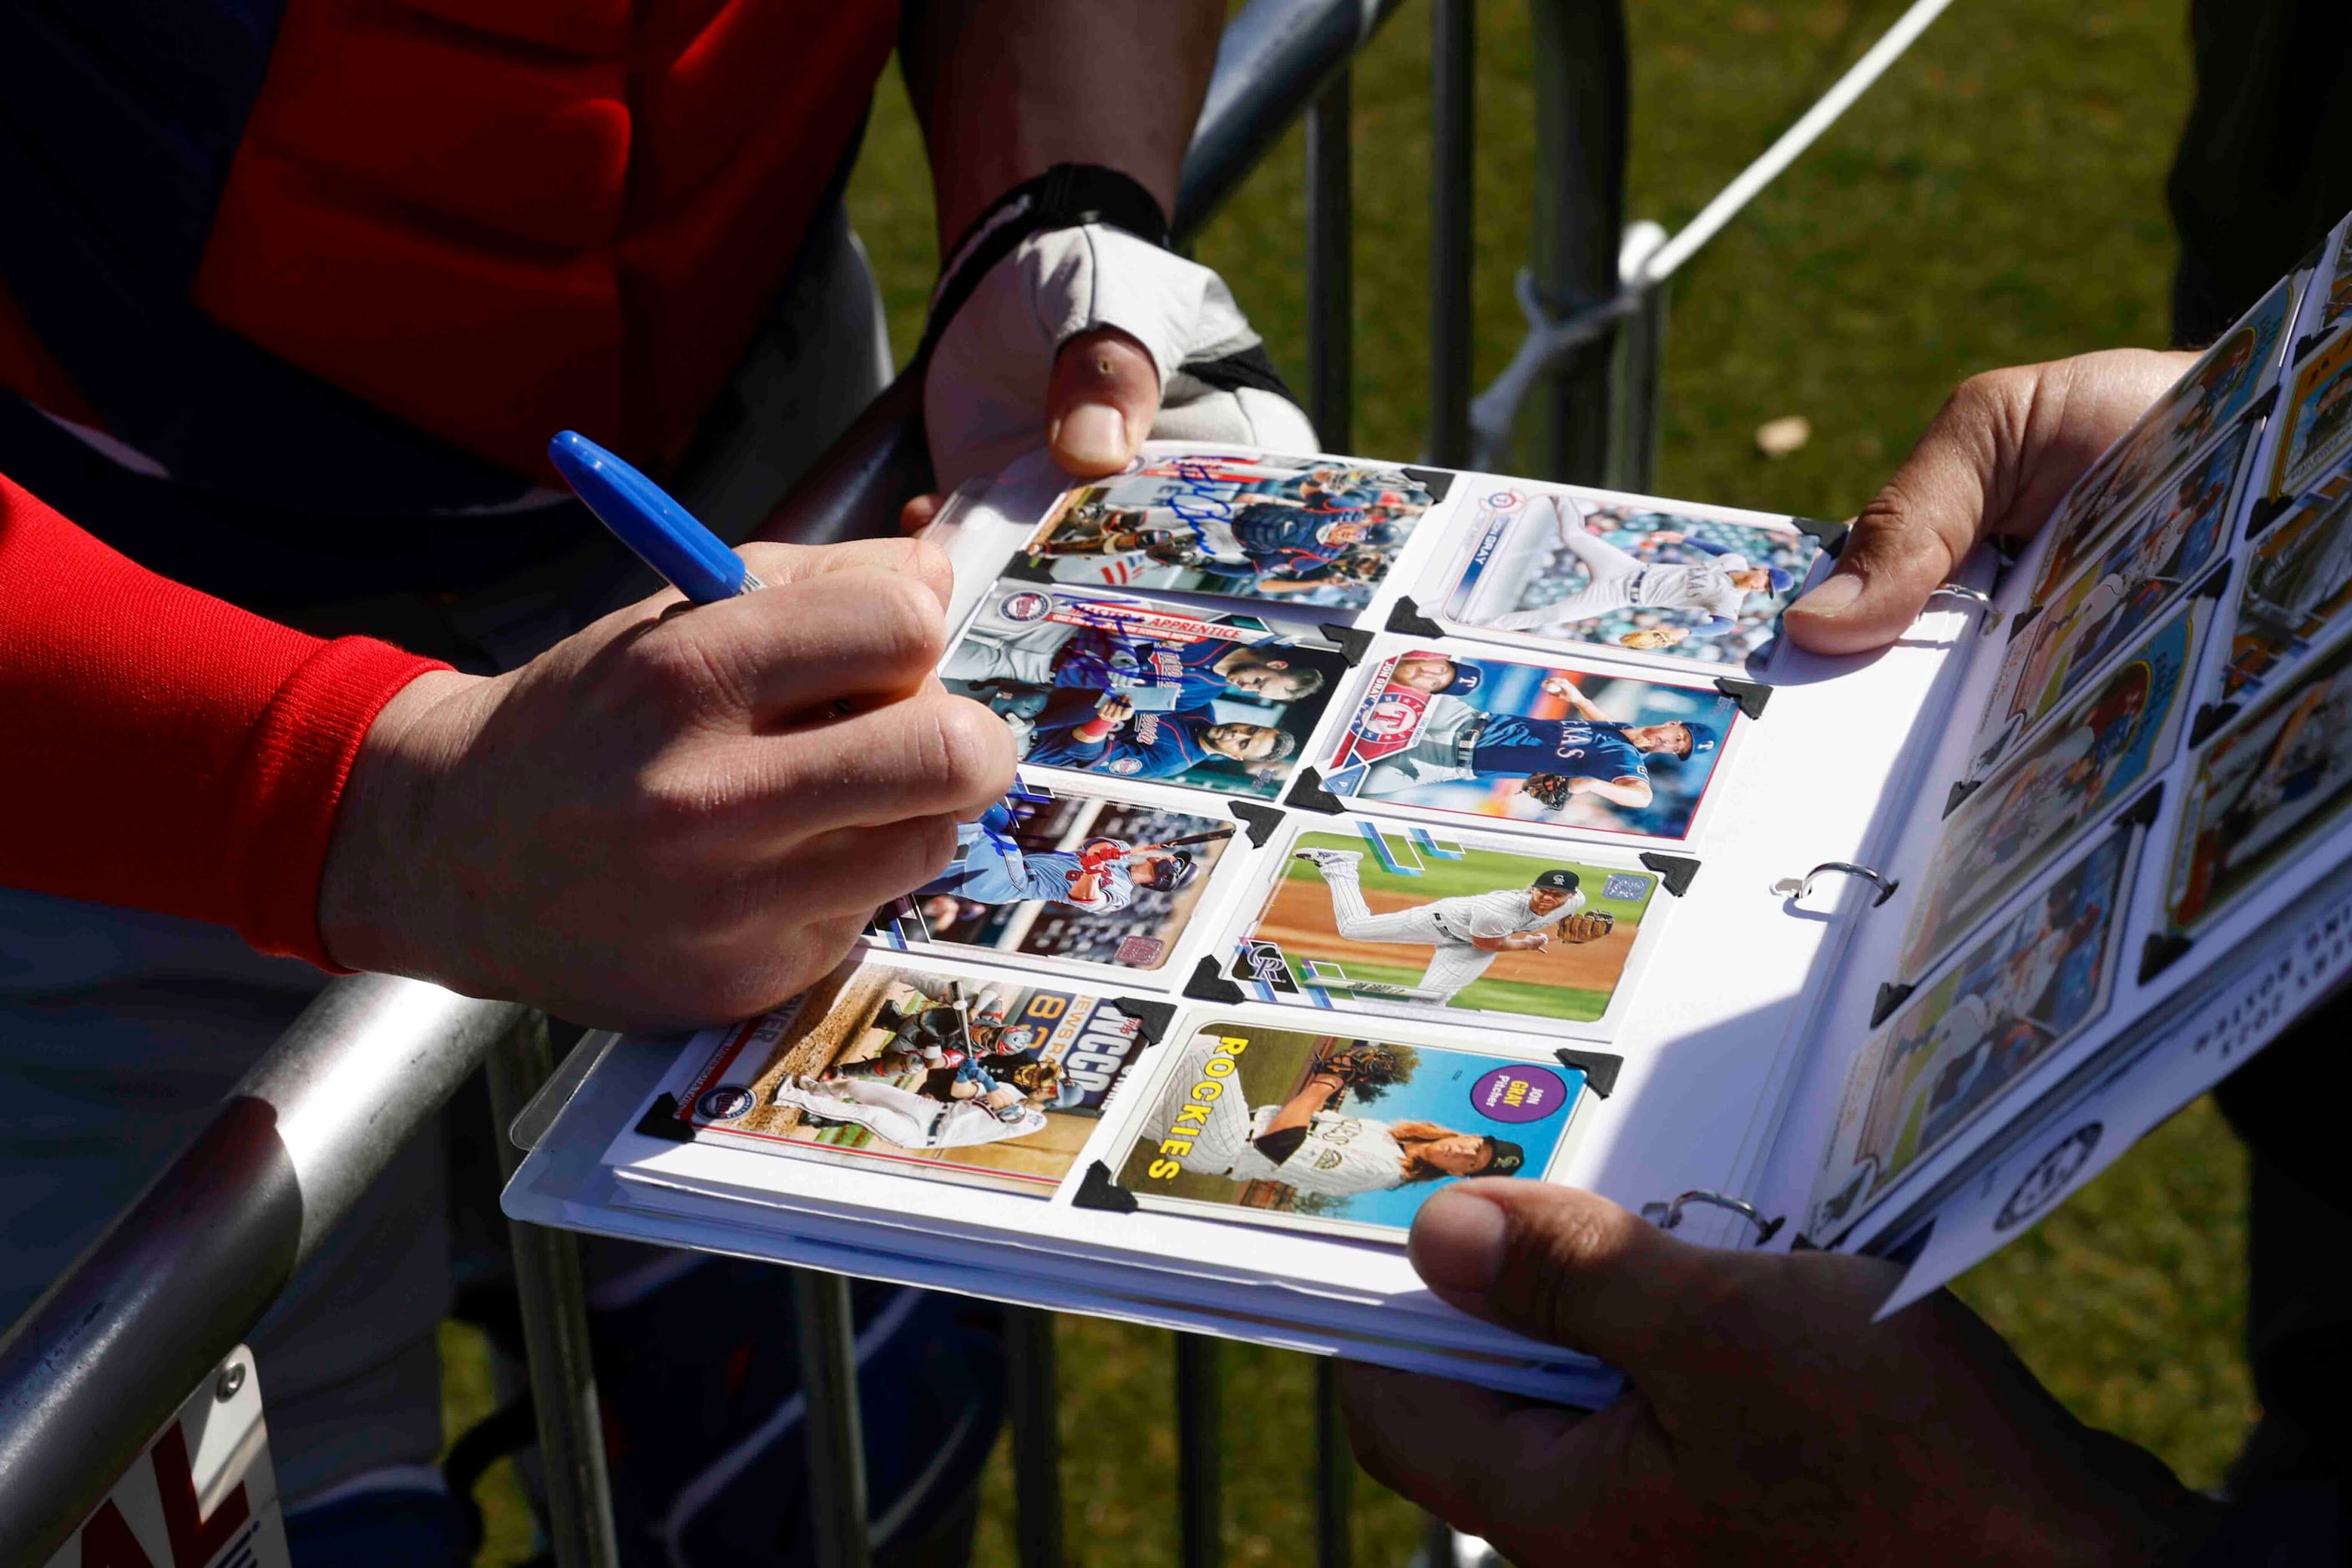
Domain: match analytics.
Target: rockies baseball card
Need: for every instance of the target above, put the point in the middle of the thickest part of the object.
(2297, 588)
(2161, 554)
(1127, 688)
(1246, 525)
(1078, 878)
(2004, 1004)
(1404, 922)
(1687, 584)
(2264, 785)
(958, 1076)
(2094, 754)
(1337, 1132)
(1561, 745)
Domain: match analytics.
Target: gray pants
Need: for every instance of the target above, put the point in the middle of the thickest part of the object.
(1434, 756)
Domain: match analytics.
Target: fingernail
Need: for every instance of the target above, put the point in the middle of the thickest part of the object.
(1092, 433)
(1833, 597)
(1457, 1242)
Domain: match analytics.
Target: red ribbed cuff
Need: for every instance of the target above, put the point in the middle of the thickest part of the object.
(291, 782)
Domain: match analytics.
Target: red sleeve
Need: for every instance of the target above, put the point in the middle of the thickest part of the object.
(167, 750)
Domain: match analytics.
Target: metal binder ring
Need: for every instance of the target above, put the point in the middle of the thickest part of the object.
(1801, 886)
(1673, 1218)
(1976, 597)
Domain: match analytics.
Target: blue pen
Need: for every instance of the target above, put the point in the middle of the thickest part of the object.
(665, 536)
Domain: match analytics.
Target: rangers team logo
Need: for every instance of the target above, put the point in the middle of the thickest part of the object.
(1393, 714)
(2049, 1177)
(1026, 606)
(725, 1103)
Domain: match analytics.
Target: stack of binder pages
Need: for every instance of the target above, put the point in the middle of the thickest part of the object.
(1381, 828)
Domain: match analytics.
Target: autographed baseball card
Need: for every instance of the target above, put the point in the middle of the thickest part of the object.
(1090, 879)
(1260, 526)
(2089, 758)
(1405, 922)
(1701, 585)
(2003, 1005)
(1336, 1133)
(977, 1080)
(1540, 744)
(2298, 585)
(1127, 687)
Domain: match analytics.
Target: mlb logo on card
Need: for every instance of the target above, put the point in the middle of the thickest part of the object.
(1026, 606)
(2049, 1177)
(1505, 500)
(725, 1103)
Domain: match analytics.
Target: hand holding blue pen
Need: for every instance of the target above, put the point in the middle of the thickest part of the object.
(642, 516)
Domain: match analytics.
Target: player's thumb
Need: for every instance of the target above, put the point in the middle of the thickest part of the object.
(1100, 404)
(1569, 1267)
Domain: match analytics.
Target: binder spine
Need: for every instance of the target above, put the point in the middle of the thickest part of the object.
(1669, 1215)
(1797, 889)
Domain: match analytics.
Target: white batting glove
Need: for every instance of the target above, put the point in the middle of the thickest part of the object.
(1089, 341)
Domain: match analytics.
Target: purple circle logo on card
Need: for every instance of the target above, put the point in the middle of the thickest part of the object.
(1026, 606)
(1519, 1094)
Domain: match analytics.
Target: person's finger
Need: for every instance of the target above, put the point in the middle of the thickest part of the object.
(930, 755)
(917, 514)
(1475, 1457)
(1100, 403)
(857, 870)
(808, 642)
(776, 565)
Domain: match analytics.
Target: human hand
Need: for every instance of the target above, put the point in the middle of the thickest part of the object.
(1559, 686)
(679, 815)
(1529, 941)
(2000, 454)
(1113, 709)
(1766, 1418)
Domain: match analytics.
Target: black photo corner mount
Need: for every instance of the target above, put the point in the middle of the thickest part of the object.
(1961, 790)
(1308, 793)
(1832, 535)
(1598, 1068)
(1800, 1242)
(662, 1120)
(1152, 1019)
(1890, 997)
(2302, 346)
(2260, 407)
(2216, 583)
(1351, 641)
(1767, 1229)
(1436, 481)
(1260, 821)
(1751, 695)
(1405, 616)
(2161, 954)
(1674, 871)
(1099, 1190)
(2142, 812)
(2266, 511)
(1026, 569)
(2020, 621)
(1208, 986)
(2210, 718)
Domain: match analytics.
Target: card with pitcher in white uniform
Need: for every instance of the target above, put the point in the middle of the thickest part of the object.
(1407, 922)
(1663, 579)
(1335, 1132)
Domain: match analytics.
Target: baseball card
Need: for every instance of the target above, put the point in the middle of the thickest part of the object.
(2331, 307)
(1090, 879)
(2297, 588)
(2009, 1000)
(1336, 1133)
(2096, 751)
(2318, 415)
(979, 1080)
(1701, 585)
(2164, 546)
(1403, 923)
(1556, 744)
(1260, 526)
(1127, 687)
(2263, 785)
(2218, 388)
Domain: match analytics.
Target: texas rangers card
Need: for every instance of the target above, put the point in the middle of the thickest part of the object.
(1334, 1132)
(982, 1080)
(2006, 1004)
(1090, 879)
(1407, 922)
(1248, 525)
(1544, 743)
(1701, 585)
(2298, 589)
(1128, 688)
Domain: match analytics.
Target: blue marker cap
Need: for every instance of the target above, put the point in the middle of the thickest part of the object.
(664, 535)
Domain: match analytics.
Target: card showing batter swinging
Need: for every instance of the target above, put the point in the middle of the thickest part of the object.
(1555, 745)
(978, 1079)
(1296, 531)
(1407, 924)
(1086, 879)
(1702, 584)
(1333, 1133)
(1133, 689)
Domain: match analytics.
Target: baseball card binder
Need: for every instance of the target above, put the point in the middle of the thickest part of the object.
(1383, 826)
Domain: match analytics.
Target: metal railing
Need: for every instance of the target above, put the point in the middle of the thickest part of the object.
(106, 1355)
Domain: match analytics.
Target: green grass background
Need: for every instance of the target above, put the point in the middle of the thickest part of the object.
(1996, 199)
